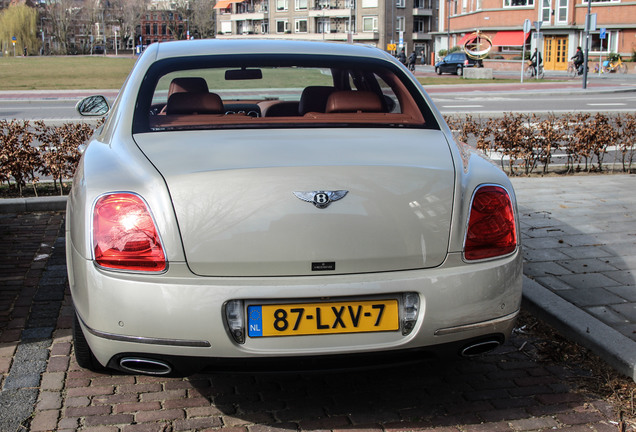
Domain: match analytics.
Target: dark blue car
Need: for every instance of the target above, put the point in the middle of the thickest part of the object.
(455, 63)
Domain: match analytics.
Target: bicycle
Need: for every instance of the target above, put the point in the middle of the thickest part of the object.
(614, 66)
(531, 71)
(572, 70)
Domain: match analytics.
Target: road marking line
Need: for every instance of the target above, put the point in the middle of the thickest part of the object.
(606, 104)
(463, 106)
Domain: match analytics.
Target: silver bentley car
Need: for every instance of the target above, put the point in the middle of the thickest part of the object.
(283, 205)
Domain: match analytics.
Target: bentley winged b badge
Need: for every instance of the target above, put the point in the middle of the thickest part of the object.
(321, 199)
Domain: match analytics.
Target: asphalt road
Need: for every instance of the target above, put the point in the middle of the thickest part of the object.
(607, 94)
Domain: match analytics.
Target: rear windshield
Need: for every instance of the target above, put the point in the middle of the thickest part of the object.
(277, 91)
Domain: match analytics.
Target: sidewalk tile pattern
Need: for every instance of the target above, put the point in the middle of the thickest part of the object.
(579, 237)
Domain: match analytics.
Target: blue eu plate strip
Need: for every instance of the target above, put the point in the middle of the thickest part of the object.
(255, 321)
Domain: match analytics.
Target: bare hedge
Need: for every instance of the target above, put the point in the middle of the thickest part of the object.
(524, 144)
(527, 143)
(30, 150)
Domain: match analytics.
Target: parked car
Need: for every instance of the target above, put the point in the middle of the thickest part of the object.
(455, 63)
(283, 205)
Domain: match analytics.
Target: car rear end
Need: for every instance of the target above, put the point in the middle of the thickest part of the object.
(236, 241)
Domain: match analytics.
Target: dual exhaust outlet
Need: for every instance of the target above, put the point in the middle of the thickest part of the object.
(160, 368)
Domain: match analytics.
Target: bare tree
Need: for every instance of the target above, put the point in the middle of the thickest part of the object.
(62, 15)
(178, 17)
(202, 18)
(128, 13)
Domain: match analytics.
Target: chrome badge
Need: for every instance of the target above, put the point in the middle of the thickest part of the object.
(321, 199)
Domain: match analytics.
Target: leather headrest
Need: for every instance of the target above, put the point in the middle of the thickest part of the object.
(194, 103)
(353, 101)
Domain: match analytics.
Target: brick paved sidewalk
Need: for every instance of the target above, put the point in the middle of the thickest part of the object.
(510, 390)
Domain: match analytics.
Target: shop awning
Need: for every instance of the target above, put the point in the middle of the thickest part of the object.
(222, 4)
(464, 38)
(509, 38)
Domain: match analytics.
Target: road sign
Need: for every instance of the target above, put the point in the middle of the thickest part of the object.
(603, 33)
(537, 35)
(527, 26)
(590, 22)
(391, 47)
(537, 25)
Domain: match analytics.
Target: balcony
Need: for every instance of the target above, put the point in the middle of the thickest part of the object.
(248, 16)
(419, 36)
(330, 13)
(422, 11)
(339, 37)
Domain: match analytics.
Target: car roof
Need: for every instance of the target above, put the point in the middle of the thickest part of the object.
(164, 50)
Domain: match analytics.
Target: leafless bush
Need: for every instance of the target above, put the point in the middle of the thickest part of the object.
(59, 148)
(526, 142)
(19, 159)
(28, 151)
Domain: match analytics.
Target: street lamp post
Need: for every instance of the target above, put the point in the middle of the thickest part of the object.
(588, 23)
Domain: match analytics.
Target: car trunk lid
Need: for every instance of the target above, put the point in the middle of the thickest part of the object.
(252, 202)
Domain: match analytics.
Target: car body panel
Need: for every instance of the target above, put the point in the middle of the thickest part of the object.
(178, 307)
(395, 216)
(223, 204)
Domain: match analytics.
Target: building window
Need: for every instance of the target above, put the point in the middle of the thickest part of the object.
(609, 44)
(265, 27)
(400, 24)
(282, 26)
(400, 3)
(282, 5)
(518, 3)
(301, 26)
(546, 10)
(602, 1)
(422, 25)
(301, 4)
(323, 25)
(148, 28)
(369, 3)
(562, 12)
(350, 25)
(226, 27)
(370, 24)
(154, 29)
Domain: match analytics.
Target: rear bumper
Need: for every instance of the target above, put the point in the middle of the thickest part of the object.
(185, 365)
(179, 316)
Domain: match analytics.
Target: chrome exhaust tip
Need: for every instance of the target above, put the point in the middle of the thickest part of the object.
(145, 366)
(478, 348)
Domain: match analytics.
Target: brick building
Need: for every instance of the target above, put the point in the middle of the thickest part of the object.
(562, 27)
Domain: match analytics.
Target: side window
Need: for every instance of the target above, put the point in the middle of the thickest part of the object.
(391, 100)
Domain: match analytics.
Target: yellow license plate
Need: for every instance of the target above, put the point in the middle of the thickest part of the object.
(323, 318)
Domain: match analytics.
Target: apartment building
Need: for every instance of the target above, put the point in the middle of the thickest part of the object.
(386, 24)
(562, 27)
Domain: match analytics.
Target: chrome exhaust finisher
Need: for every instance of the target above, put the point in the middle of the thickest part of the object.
(478, 348)
(145, 366)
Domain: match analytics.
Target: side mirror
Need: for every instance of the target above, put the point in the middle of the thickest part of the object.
(93, 106)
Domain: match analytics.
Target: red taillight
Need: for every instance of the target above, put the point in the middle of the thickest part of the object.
(491, 225)
(125, 236)
(466, 62)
